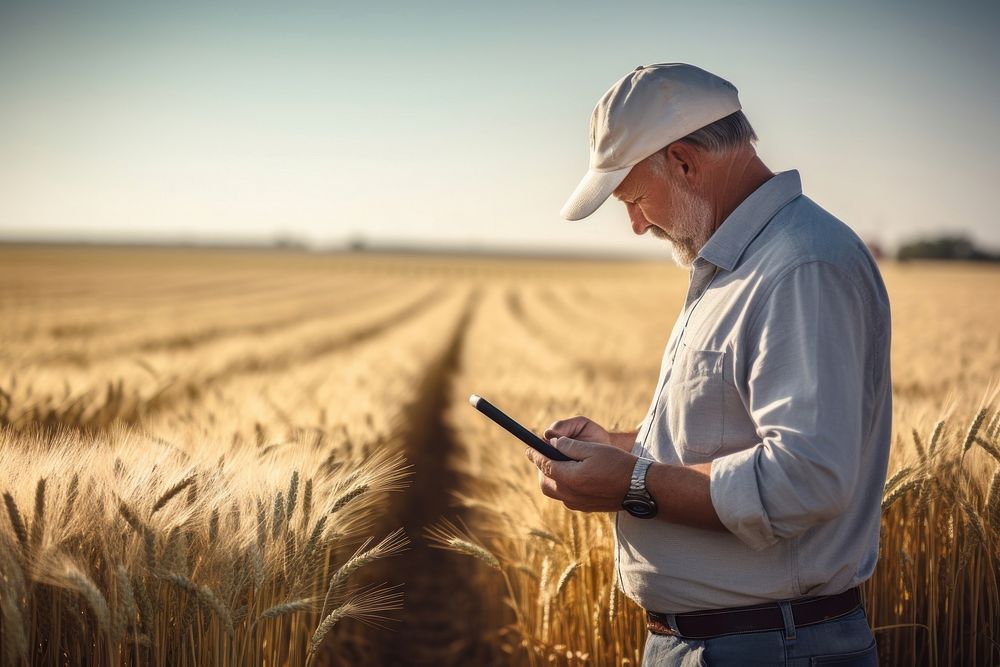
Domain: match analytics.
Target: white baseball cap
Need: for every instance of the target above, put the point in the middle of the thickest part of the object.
(648, 108)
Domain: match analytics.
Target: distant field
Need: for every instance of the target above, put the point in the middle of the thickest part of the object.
(264, 458)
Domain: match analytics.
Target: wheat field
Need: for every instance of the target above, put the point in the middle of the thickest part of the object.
(266, 458)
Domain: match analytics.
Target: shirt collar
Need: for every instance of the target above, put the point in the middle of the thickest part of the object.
(725, 247)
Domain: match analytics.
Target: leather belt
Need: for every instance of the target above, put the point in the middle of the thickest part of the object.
(754, 618)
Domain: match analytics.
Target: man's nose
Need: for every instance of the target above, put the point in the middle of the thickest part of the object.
(639, 223)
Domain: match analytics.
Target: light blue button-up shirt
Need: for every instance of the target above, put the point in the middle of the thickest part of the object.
(777, 371)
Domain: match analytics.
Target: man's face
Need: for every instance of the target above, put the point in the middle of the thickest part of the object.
(666, 207)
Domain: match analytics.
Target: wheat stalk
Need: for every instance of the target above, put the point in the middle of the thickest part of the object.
(935, 438)
(95, 600)
(545, 535)
(993, 430)
(171, 493)
(261, 526)
(447, 536)
(919, 446)
(71, 495)
(278, 515)
(15, 645)
(897, 477)
(38, 521)
(899, 492)
(149, 548)
(16, 522)
(307, 501)
(205, 595)
(970, 435)
(257, 564)
(365, 606)
(975, 522)
(145, 604)
(290, 607)
(130, 517)
(191, 607)
(991, 504)
(293, 491)
(391, 544)
(173, 555)
(989, 449)
(565, 577)
(124, 614)
(343, 500)
(313, 540)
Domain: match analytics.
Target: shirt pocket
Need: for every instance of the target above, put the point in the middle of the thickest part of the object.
(696, 401)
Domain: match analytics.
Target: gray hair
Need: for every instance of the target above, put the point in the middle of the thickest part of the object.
(725, 134)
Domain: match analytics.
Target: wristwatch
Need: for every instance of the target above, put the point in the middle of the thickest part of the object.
(637, 501)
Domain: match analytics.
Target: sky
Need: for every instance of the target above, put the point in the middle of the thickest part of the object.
(465, 124)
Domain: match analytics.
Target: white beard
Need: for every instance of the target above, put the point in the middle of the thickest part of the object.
(692, 227)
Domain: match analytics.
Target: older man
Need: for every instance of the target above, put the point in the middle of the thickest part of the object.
(747, 502)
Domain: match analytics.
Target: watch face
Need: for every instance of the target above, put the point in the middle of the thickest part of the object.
(642, 509)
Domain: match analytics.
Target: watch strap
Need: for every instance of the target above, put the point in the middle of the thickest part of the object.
(637, 485)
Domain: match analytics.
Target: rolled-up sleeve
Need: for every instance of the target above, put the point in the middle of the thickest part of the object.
(806, 381)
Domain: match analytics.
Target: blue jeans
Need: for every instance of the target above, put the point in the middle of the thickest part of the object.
(846, 640)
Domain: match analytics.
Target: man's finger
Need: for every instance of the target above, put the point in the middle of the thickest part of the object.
(535, 456)
(555, 431)
(542, 462)
(568, 427)
(575, 449)
(548, 486)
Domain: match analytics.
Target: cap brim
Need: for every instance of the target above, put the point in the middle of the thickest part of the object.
(595, 187)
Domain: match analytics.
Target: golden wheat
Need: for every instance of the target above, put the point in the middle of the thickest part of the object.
(178, 571)
(199, 460)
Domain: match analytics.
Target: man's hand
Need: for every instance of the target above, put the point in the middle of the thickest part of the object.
(578, 428)
(582, 428)
(596, 481)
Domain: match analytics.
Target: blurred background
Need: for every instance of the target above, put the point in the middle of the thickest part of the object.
(462, 126)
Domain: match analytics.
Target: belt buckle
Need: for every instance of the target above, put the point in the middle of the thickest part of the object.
(658, 627)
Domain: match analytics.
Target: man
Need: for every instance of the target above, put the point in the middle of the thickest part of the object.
(748, 501)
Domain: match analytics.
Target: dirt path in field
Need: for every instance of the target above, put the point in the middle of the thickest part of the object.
(441, 622)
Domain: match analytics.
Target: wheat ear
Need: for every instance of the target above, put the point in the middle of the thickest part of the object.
(205, 595)
(391, 544)
(565, 577)
(293, 495)
(449, 537)
(16, 521)
(970, 436)
(38, 521)
(170, 493)
(364, 606)
(290, 607)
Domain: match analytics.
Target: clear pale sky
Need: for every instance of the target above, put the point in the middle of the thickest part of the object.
(466, 123)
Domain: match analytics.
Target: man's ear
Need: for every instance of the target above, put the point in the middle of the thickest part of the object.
(683, 161)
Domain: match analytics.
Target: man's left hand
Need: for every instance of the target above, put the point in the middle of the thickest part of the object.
(596, 481)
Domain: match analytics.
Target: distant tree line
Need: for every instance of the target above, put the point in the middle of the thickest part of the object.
(955, 247)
